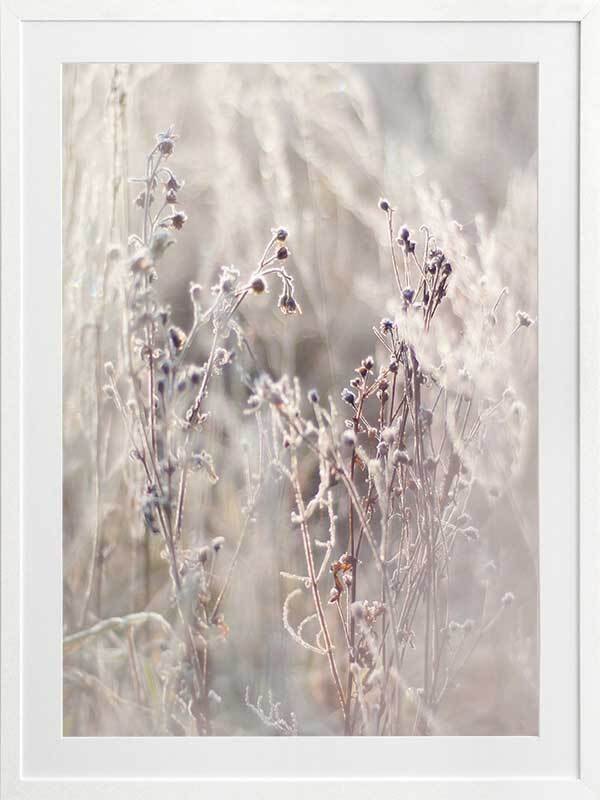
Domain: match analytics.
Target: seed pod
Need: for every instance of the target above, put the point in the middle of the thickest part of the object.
(177, 338)
(258, 284)
(349, 397)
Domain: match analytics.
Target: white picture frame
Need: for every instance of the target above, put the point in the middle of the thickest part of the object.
(21, 43)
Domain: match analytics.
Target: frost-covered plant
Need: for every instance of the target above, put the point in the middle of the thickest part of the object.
(399, 471)
(161, 397)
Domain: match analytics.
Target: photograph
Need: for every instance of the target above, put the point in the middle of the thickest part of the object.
(300, 399)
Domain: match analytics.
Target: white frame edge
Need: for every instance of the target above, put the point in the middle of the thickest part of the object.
(10, 252)
(589, 377)
(584, 12)
(305, 10)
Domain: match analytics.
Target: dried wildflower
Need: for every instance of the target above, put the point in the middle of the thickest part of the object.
(281, 234)
(223, 357)
(177, 338)
(166, 141)
(203, 462)
(217, 543)
(173, 184)
(382, 450)
(369, 363)
(349, 397)
(313, 396)
(175, 221)
(178, 220)
(507, 599)
(228, 280)
(109, 368)
(386, 325)
(287, 303)
(523, 319)
(171, 197)
(258, 285)
(471, 533)
(384, 204)
(340, 569)
(404, 234)
(267, 390)
(372, 611)
(149, 513)
(282, 253)
(195, 293)
(272, 717)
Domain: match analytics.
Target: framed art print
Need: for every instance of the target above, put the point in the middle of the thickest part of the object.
(300, 400)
